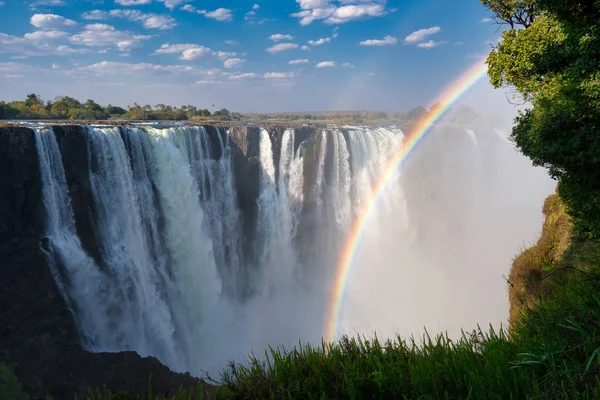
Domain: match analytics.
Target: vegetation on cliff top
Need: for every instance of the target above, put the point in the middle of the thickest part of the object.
(551, 57)
(68, 108)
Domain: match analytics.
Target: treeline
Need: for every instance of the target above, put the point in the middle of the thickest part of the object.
(33, 107)
(356, 117)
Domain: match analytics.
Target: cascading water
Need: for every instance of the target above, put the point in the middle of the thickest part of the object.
(177, 278)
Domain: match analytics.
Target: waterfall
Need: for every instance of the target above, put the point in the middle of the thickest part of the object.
(175, 277)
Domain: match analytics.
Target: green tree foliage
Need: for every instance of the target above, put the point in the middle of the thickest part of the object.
(416, 113)
(10, 388)
(553, 61)
(69, 108)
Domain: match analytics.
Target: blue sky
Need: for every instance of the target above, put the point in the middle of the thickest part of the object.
(250, 56)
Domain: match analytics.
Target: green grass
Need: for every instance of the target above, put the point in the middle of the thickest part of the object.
(554, 353)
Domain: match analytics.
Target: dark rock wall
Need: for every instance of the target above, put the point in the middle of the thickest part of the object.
(21, 205)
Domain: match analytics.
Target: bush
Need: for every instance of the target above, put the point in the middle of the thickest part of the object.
(10, 388)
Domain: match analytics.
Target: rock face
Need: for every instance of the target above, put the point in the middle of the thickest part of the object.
(38, 336)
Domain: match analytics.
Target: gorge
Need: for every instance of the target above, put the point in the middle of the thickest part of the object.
(200, 244)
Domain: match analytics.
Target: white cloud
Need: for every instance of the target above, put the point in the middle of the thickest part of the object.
(103, 35)
(35, 4)
(421, 35)
(208, 82)
(233, 62)
(430, 44)
(305, 48)
(255, 7)
(247, 75)
(232, 42)
(55, 66)
(325, 64)
(35, 44)
(2, 3)
(386, 41)
(148, 20)
(486, 20)
(171, 4)
(128, 3)
(192, 51)
(279, 75)
(281, 47)
(51, 21)
(301, 61)
(352, 12)
(312, 10)
(278, 37)
(95, 15)
(348, 65)
(135, 69)
(223, 55)
(46, 35)
(322, 40)
(220, 14)
(196, 52)
(174, 48)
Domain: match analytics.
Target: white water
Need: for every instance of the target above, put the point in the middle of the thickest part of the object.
(179, 280)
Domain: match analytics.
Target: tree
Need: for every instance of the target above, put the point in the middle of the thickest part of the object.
(553, 63)
(416, 113)
(514, 13)
(114, 110)
(33, 100)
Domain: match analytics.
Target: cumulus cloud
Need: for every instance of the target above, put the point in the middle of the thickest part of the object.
(301, 61)
(255, 7)
(220, 14)
(95, 15)
(34, 5)
(322, 40)
(233, 62)
(386, 41)
(128, 3)
(148, 20)
(278, 37)
(279, 75)
(349, 10)
(485, 20)
(103, 35)
(281, 47)
(430, 44)
(325, 64)
(38, 43)
(119, 69)
(171, 4)
(247, 75)
(51, 21)
(232, 42)
(46, 35)
(191, 51)
(421, 35)
(305, 48)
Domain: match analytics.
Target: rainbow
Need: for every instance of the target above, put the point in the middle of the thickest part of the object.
(445, 100)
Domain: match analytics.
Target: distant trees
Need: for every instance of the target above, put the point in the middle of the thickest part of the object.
(416, 113)
(64, 107)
